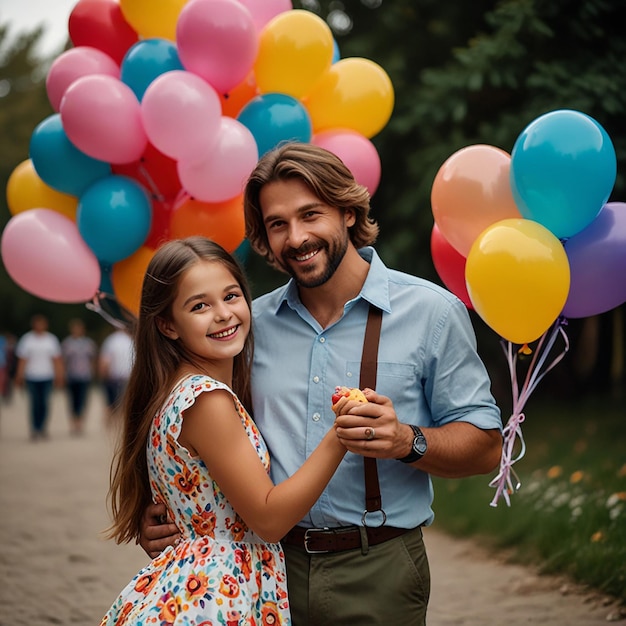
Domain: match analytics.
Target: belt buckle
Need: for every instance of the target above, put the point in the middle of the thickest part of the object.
(307, 534)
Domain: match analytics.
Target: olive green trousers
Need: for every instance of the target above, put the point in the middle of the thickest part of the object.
(383, 585)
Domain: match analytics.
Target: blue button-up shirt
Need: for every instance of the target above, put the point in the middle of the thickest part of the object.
(427, 365)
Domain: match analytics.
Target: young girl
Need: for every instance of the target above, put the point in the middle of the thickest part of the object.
(189, 442)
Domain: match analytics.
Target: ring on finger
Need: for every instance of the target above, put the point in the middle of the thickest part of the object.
(370, 434)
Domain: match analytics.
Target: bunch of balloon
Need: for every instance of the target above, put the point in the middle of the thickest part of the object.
(535, 242)
(161, 111)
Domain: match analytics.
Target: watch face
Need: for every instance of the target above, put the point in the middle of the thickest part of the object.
(419, 444)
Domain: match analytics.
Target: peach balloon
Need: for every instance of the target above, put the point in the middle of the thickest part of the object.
(470, 192)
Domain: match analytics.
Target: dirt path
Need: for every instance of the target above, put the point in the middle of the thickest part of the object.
(56, 569)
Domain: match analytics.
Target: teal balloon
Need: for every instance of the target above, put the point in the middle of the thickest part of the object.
(59, 163)
(114, 217)
(274, 118)
(563, 169)
(147, 60)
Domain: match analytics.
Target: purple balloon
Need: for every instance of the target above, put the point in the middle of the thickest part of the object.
(597, 258)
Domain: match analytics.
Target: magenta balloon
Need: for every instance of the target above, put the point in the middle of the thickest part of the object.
(102, 117)
(356, 151)
(597, 259)
(222, 174)
(45, 255)
(181, 113)
(74, 64)
(217, 40)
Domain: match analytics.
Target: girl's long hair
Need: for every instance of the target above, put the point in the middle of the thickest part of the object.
(157, 361)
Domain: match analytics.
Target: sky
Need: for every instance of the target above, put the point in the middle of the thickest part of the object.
(26, 15)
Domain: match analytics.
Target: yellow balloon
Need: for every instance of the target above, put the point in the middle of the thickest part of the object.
(295, 49)
(354, 93)
(518, 278)
(127, 278)
(25, 190)
(153, 18)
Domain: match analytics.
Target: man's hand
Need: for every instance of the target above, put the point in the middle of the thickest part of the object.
(157, 531)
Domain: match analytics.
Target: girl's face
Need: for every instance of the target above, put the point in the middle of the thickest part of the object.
(210, 315)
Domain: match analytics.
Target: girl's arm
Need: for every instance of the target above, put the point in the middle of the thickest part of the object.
(212, 429)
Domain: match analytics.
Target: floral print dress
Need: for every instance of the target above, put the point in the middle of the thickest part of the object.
(221, 573)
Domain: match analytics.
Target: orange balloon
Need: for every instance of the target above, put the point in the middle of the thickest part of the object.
(25, 190)
(239, 96)
(470, 192)
(223, 222)
(354, 93)
(127, 278)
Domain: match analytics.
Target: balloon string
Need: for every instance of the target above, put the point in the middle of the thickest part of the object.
(96, 306)
(153, 186)
(503, 481)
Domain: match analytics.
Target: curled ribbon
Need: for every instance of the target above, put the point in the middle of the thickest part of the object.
(504, 481)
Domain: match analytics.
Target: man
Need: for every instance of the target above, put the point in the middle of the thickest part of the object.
(39, 367)
(434, 413)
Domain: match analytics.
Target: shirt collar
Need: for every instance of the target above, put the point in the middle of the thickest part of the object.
(375, 289)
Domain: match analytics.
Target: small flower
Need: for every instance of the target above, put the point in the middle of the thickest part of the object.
(576, 477)
(615, 498)
(555, 471)
(597, 537)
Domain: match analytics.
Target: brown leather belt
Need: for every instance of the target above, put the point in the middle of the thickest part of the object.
(323, 540)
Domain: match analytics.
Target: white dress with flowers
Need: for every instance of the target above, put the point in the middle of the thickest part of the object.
(221, 573)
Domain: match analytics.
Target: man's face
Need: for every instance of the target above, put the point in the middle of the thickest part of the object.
(307, 237)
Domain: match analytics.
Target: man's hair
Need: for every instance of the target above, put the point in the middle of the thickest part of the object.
(324, 174)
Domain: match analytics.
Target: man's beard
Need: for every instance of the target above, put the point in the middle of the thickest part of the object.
(311, 277)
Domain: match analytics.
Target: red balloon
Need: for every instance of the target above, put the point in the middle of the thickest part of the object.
(100, 24)
(155, 171)
(160, 224)
(450, 266)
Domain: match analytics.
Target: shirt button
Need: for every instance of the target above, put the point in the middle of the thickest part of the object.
(322, 339)
(316, 379)
(349, 374)
(316, 417)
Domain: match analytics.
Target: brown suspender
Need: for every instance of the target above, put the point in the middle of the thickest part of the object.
(369, 366)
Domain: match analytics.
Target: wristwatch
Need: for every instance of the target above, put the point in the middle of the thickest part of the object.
(419, 447)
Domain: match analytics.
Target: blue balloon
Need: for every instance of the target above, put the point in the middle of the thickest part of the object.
(273, 118)
(59, 163)
(563, 169)
(114, 217)
(336, 52)
(145, 61)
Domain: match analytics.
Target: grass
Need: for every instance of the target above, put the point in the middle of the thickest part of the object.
(569, 515)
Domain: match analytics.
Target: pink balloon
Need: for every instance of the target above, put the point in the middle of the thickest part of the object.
(217, 40)
(223, 173)
(74, 64)
(45, 255)
(181, 114)
(102, 117)
(263, 11)
(357, 152)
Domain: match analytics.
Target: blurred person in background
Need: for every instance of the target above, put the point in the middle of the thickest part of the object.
(114, 366)
(79, 358)
(39, 367)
